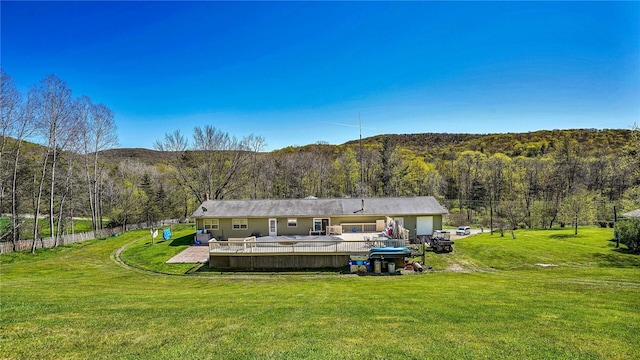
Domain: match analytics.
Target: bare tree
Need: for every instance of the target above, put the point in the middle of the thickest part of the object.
(173, 142)
(255, 144)
(15, 124)
(468, 171)
(98, 131)
(496, 167)
(216, 164)
(225, 157)
(53, 110)
(130, 198)
(65, 192)
(10, 109)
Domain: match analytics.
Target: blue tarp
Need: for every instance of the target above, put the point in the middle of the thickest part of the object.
(166, 234)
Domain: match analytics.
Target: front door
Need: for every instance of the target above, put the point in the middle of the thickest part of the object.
(273, 227)
(320, 226)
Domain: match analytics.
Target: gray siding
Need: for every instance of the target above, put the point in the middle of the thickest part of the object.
(261, 225)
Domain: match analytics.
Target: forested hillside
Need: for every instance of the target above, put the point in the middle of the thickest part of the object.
(538, 179)
(530, 144)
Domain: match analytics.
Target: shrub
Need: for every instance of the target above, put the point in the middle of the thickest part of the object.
(629, 233)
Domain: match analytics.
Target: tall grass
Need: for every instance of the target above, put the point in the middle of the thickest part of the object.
(75, 302)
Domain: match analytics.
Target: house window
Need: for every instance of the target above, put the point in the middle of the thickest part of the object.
(320, 224)
(211, 224)
(292, 222)
(240, 224)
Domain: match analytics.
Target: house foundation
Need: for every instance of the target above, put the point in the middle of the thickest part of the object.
(277, 261)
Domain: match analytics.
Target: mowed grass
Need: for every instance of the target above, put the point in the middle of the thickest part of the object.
(151, 255)
(533, 249)
(486, 300)
(5, 224)
(26, 229)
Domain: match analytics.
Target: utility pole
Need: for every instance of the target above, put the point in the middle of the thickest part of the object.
(615, 219)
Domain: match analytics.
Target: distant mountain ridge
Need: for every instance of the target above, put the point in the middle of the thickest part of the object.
(143, 155)
(537, 143)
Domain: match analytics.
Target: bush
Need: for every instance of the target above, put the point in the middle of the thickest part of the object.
(629, 233)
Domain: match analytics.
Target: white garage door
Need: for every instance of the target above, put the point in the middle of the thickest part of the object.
(424, 225)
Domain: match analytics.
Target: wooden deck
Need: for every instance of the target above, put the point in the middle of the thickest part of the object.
(292, 252)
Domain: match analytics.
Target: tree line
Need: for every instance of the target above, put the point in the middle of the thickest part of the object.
(63, 178)
(541, 183)
(536, 180)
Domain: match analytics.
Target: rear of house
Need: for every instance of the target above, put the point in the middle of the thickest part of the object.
(237, 230)
(223, 219)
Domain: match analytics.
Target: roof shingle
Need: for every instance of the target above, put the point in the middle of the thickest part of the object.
(422, 205)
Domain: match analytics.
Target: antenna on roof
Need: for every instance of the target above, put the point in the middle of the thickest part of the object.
(360, 123)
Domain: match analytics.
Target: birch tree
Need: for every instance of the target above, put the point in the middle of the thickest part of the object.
(98, 131)
(15, 124)
(53, 111)
(10, 113)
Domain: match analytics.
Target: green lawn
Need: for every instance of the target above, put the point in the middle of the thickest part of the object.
(486, 300)
(5, 223)
(147, 255)
(26, 229)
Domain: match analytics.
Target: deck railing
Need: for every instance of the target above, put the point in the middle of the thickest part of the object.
(358, 227)
(254, 246)
(334, 230)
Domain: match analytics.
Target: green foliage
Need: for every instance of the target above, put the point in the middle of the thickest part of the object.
(629, 233)
(419, 178)
(577, 209)
(508, 180)
(530, 144)
(631, 199)
(388, 163)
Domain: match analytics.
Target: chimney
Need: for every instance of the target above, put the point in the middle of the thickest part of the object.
(206, 196)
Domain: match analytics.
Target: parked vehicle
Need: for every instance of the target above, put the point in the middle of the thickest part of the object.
(441, 241)
(463, 230)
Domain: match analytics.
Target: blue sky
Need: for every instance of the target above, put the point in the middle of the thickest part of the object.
(301, 72)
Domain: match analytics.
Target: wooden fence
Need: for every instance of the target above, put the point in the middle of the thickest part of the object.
(46, 243)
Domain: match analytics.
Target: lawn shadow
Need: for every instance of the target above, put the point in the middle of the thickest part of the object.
(181, 241)
(563, 236)
(620, 257)
(155, 242)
